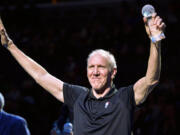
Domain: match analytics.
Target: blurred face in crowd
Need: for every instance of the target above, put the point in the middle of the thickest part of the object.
(99, 72)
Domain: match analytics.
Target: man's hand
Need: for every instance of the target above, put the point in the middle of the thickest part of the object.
(154, 26)
(5, 40)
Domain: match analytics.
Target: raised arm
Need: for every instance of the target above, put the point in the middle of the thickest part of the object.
(145, 85)
(37, 72)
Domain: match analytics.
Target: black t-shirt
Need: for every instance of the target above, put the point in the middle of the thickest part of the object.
(110, 115)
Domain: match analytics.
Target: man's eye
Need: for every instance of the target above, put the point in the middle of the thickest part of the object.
(90, 66)
(101, 66)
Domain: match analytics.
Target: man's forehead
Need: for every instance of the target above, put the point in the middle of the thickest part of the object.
(97, 59)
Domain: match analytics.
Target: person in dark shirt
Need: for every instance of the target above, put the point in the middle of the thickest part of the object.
(11, 124)
(103, 109)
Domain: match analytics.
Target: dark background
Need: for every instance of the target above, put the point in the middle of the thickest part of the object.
(59, 36)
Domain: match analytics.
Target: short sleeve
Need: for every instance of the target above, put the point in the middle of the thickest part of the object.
(128, 95)
(71, 93)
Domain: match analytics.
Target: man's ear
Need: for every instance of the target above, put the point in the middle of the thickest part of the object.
(114, 71)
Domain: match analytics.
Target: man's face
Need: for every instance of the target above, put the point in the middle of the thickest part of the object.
(98, 72)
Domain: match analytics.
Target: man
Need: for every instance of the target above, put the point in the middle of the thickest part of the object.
(103, 109)
(11, 124)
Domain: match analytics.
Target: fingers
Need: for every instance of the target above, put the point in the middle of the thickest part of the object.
(1, 24)
(145, 20)
(158, 22)
(154, 15)
(2, 29)
(5, 40)
(162, 26)
(155, 21)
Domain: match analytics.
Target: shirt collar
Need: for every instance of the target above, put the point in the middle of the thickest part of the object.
(112, 91)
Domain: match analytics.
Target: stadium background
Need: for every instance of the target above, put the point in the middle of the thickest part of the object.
(59, 34)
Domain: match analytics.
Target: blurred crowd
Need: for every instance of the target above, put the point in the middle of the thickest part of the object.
(60, 38)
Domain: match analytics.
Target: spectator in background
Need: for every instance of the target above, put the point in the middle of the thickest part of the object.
(61, 124)
(67, 129)
(11, 124)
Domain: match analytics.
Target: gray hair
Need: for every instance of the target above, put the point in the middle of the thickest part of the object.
(1, 101)
(109, 56)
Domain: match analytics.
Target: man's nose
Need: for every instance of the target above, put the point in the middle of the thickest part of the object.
(96, 71)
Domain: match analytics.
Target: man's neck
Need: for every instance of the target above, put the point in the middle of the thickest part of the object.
(102, 93)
